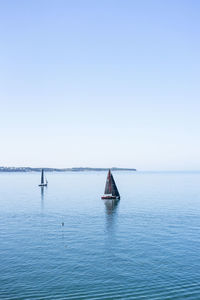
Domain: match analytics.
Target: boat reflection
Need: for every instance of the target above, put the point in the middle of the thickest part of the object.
(42, 188)
(111, 207)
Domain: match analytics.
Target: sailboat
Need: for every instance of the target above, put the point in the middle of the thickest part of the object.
(111, 191)
(43, 183)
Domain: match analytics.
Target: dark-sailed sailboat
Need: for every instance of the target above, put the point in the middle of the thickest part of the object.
(111, 191)
(43, 183)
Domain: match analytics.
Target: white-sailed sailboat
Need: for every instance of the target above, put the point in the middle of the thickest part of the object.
(43, 183)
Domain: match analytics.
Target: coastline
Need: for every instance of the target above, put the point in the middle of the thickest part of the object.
(80, 169)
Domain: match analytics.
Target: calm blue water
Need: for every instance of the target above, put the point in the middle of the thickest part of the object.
(145, 247)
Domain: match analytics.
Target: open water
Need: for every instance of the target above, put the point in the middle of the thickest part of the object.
(146, 246)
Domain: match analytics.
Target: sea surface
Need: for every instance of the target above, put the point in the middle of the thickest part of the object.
(146, 246)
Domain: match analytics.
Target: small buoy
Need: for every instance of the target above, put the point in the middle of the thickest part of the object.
(63, 223)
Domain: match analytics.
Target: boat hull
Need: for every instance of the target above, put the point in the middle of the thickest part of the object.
(110, 197)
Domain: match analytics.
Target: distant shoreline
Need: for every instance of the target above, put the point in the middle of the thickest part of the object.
(29, 169)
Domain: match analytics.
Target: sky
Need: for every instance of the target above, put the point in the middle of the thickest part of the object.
(110, 83)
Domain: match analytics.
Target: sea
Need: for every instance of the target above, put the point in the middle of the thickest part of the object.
(64, 242)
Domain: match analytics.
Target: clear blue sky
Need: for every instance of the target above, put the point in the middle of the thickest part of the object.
(100, 83)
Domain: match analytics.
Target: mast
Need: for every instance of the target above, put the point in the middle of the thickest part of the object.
(42, 177)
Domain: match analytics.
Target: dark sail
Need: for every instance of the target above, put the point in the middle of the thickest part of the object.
(111, 187)
(42, 177)
(108, 189)
(114, 189)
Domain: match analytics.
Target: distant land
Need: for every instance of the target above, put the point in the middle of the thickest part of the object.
(28, 169)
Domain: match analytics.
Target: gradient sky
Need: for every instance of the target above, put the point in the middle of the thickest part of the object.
(100, 83)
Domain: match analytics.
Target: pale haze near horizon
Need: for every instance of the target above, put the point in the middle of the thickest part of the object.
(100, 84)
